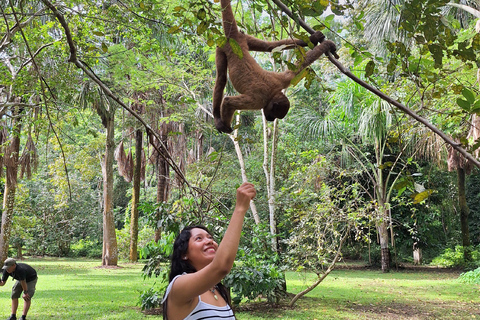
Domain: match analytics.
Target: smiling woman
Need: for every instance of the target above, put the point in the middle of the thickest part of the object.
(199, 264)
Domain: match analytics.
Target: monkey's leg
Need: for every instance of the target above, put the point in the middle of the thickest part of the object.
(229, 105)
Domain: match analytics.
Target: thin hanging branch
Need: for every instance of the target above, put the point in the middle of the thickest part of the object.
(457, 146)
(84, 67)
(42, 84)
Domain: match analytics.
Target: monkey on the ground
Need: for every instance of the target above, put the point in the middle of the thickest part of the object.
(258, 88)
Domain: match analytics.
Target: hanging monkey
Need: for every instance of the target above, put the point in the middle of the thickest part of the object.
(258, 88)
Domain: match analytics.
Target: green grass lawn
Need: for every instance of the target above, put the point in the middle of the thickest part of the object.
(79, 289)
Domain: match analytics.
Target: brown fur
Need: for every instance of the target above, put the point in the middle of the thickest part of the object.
(258, 88)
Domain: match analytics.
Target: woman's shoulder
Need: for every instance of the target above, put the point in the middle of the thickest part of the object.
(169, 288)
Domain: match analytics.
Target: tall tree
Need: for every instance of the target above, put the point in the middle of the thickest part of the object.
(136, 195)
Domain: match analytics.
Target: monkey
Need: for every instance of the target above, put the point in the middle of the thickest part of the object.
(258, 88)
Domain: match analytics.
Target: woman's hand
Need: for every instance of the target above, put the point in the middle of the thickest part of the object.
(245, 193)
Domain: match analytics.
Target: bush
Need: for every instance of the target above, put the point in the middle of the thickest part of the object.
(454, 258)
(150, 299)
(86, 248)
(251, 282)
(123, 240)
(471, 277)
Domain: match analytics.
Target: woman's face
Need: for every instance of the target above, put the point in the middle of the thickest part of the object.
(201, 248)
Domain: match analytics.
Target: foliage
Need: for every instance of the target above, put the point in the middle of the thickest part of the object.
(252, 281)
(150, 299)
(322, 213)
(471, 277)
(454, 258)
(86, 248)
(145, 235)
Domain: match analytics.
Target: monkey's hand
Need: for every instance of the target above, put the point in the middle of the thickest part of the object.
(317, 37)
(333, 49)
(221, 127)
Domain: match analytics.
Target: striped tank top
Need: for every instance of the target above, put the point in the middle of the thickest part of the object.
(204, 311)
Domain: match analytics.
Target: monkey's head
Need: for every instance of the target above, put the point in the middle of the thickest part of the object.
(277, 107)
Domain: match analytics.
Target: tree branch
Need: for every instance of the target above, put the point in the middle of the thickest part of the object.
(379, 93)
(83, 66)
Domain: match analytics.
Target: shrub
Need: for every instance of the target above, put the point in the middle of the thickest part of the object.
(471, 277)
(150, 299)
(251, 282)
(86, 248)
(123, 240)
(454, 258)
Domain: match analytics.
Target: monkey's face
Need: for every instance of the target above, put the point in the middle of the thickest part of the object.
(277, 107)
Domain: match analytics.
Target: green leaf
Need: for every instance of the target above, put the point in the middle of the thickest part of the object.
(174, 29)
(221, 42)
(476, 107)
(299, 77)
(98, 33)
(463, 104)
(468, 95)
(201, 14)
(104, 47)
(419, 197)
(476, 42)
(202, 27)
(237, 50)
(369, 68)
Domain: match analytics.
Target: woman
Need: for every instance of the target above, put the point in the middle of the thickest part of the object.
(199, 264)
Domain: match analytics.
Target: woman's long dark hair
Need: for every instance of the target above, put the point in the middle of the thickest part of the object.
(179, 266)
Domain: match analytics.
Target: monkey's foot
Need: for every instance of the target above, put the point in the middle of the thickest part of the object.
(221, 127)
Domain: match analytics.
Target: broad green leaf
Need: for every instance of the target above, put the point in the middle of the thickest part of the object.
(468, 95)
(369, 68)
(221, 42)
(476, 107)
(419, 197)
(324, 3)
(237, 50)
(299, 77)
(476, 42)
(201, 14)
(104, 47)
(98, 33)
(202, 27)
(463, 104)
(178, 9)
(174, 29)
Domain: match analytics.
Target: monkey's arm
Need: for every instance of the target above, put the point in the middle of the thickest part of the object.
(255, 44)
(314, 54)
(229, 23)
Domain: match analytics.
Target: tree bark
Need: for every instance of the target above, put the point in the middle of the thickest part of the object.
(234, 138)
(110, 249)
(162, 174)
(135, 197)
(11, 163)
(462, 203)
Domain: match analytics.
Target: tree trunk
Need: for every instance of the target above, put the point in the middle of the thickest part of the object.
(271, 182)
(110, 250)
(11, 163)
(234, 138)
(462, 203)
(385, 251)
(162, 174)
(135, 197)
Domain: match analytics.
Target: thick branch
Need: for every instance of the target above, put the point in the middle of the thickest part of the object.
(379, 93)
